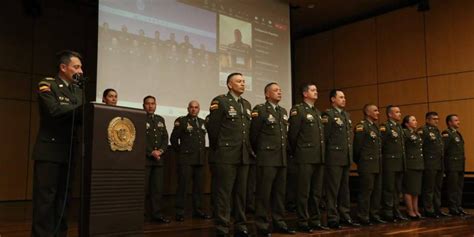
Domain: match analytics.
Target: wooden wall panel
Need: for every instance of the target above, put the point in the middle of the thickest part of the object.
(46, 43)
(323, 100)
(449, 36)
(465, 110)
(14, 149)
(16, 44)
(355, 54)
(357, 97)
(451, 86)
(15, 85)
(403, 92)
(314, 61)
(400, 45)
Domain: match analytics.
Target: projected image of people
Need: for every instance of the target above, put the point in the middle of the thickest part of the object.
(148, 47)
(235, 48)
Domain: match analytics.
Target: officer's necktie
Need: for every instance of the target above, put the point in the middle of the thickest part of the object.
(196, 122)
(241, 105)
(278, 111)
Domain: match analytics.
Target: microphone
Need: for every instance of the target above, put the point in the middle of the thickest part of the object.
(79, 79)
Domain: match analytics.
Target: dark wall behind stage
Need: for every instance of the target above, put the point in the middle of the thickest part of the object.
(419, 60)
(31, 32)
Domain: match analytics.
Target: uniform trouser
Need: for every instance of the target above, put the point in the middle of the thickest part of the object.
(231, 189)
(431, 194)
(186, 175)
(455, 181)
(270, 197)
(154, 189)
(370, 189)
(391, 189)
(337, 192)
(49, 194)
(308, 194)
(251, 187)
(212, 169)
(292, 171)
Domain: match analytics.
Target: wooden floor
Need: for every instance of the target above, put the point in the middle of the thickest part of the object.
(15, 221)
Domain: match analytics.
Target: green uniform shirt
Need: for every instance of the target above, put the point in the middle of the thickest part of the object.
(156, 138)
(433, 150)
(338, 137)
(228, 129)
(268, 134)
(453, 150)
(306, 134)
(367, 147)
(58, 105)
(413, 150)
(393, 146)
(188, 140)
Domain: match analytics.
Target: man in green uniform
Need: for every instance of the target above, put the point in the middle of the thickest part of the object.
(228, 129)
(58, 100)
(454, 162)
(337, 134)
(368, 157)
(268, 134)
(188, 140)
(433, 153)
(156, 144)
(393, 164)
(306, 139)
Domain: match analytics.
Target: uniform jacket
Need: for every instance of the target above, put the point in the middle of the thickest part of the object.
(338, 137)
(228, 129)
(393, 147)
(433, 150)
(58, 111)
(367, 147)
(188, 140)
(268, 135)
(453, 150)
(306, 134)
(413, 150)
(156, 138)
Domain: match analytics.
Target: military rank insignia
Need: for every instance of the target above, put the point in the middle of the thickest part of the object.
(293, 112)
(254, 114)
(359, 128)
(176, 123)
(445, 134)
(382, 128)
(214, 105)
(44, 87)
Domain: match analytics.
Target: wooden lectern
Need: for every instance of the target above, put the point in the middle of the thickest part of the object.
(113, 188)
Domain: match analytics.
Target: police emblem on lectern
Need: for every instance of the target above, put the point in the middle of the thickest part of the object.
(121, 134)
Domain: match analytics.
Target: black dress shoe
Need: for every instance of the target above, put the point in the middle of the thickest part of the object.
(305, 229)
(401, 217)
(201, 215)
(377, 220)
(242, 233)
(389, 219)
(161, 219)
(180, 218)
(264, 233)
(319, 227)
(334, 225)
(431, 215)
(454, 213)
(414, 218)
(286, 230)
(365, 222)
(350, 222)
(464, 213)
(442, 214)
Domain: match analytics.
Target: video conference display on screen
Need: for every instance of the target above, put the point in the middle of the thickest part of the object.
(183, 50)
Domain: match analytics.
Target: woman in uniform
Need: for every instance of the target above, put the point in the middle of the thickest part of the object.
(412, 179)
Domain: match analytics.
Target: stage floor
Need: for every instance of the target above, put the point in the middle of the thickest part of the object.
(15, 221)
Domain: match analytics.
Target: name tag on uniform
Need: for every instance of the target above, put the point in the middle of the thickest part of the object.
(232, 111)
